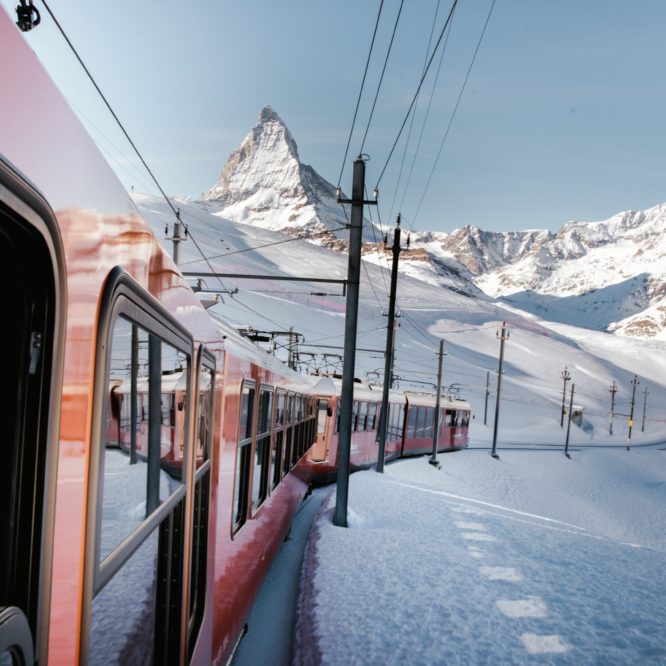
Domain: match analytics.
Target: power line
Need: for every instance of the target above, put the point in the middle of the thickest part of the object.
(455, 109)
(360, 92)
(381, 78)
(425, 121)
(108, 106)
(418, 89)
(253, 248)
(411, 123)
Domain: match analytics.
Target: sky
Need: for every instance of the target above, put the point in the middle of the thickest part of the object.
(561, 117)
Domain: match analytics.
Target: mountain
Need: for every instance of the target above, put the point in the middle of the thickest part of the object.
(608, 275)
(265, 184)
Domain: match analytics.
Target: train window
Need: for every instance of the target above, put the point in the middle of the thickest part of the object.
(420, 421)
(136, 514)
(243, 455)
(278, 443)
(323, 413)
(337, 417)
(372, 416)
(354, 423)
(262, 447)
(449, 418)
(288, 442)
(429, 422)
(411, 421)
(203, 442)
(362, 415)
(141, 466)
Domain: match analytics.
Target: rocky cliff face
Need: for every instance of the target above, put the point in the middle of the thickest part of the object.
(265, 184)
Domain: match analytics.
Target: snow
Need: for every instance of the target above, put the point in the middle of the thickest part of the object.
(531, 557)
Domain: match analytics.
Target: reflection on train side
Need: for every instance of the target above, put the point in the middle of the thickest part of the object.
(142, 495)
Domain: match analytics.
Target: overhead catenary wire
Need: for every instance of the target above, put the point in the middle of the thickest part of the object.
(455, 109)
(360, 92)
(425, 122)
(416, 94)
(411, 123)
(108, 105)
(381, 78)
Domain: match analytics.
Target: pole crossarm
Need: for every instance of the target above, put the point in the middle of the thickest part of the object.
(253, 276)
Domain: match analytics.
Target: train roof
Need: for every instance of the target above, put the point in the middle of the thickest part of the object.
(430, 399)
(373, 392)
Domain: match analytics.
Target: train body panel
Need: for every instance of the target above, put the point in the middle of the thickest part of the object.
(57, 190)
(409, 429)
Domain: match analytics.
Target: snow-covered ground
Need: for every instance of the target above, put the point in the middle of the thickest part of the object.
(533, 558)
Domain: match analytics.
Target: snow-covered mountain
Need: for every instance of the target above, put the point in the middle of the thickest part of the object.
(608, 275)
(265, 184)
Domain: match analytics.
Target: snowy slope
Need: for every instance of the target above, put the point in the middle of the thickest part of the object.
(534, 558)
(608, 275)
(535, 354)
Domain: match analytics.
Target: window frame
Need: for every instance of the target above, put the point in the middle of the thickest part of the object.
(236, 525)
(122, 295)
(25, 201)
(196, 608)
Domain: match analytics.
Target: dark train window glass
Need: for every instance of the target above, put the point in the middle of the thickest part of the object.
(280, 410)
(246, 407)
(411, 421)
(420, 421)
(199, 552)
(276, 461)
(243, 455)
(362, 415)
(354, 415)
(449, 417)
(122, 617)
(337, 417)
(429, 422)
(288, 442)
(141, 466)
(372, 415)
(323, 414)
(262, 448)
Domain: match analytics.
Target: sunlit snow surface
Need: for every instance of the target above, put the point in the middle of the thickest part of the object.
(568, 565)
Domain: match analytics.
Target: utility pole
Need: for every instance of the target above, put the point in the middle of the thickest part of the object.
(503, 336)
(566, 446)
(566, 377)
(613, 391)
(634, 383)
(435, 432)
(351, 325)
(645, 395)
(485, 409)
(388, 355)
(177, 239)
(292, 357)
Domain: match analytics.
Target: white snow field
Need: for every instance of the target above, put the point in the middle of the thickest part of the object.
(532, 558)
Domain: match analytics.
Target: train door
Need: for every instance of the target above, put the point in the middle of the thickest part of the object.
(29, 259)
(319, 451)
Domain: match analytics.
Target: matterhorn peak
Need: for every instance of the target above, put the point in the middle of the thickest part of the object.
(265, 184)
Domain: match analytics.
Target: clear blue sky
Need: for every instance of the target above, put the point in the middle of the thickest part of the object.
(563, 116)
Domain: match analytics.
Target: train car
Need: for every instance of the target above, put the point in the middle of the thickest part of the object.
(151, 462)
(410, 427)
(420, 421)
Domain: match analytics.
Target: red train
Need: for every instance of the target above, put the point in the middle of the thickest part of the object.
(411, 418)
(153, 459)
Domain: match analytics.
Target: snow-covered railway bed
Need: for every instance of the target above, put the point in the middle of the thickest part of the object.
(528, 558)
